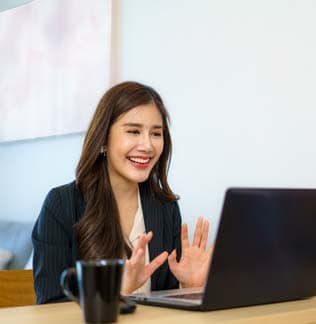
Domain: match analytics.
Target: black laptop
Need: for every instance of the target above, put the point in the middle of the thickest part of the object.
(265, 252)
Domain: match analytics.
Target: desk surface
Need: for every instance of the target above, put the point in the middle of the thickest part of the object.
(296, 312)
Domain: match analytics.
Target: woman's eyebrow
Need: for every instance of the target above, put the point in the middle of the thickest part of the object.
(140, 125)
(132, 125)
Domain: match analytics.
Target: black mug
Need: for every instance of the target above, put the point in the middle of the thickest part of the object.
(99, 285)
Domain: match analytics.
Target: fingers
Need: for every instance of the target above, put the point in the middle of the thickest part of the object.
(173, 255)
(148, 236)
(204, 235)
(173, 264)
(133, 267)
(198, 232)
(142, 241)
(135, 271)
(155, 263)
(201, 233)
(184, 236)
(137, 259)
(172, 260)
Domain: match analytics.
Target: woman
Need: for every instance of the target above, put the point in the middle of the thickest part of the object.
(120, 204)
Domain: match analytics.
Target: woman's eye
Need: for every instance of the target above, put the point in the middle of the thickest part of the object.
(156, 134)
(134, 131)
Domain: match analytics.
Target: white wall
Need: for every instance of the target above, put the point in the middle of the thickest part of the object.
(29, 169)
(238, 78)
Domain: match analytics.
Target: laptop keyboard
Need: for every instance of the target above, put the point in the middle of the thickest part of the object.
(191, 296)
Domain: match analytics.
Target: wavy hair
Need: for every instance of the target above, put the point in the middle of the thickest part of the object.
(99, 231)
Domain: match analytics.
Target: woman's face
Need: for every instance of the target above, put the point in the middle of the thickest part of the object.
(135, 145)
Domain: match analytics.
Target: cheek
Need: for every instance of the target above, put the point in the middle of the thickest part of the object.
(159, 149)
(123, 146)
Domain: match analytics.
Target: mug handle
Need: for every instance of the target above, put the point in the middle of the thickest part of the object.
(64, 282)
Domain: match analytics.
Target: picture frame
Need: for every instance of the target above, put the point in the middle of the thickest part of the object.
(55, 58)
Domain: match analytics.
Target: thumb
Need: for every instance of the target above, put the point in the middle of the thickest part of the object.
(172, 260)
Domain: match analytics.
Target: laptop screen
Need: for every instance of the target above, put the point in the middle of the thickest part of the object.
(265, 249)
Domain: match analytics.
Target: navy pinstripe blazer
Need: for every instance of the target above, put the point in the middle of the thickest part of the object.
(56, 248)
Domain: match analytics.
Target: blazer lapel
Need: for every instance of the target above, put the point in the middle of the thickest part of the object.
(153, 222)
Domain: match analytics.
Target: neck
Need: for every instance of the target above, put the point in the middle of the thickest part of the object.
(125, 194)
(124, 190)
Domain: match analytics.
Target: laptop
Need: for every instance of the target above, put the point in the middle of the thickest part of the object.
(265, 252)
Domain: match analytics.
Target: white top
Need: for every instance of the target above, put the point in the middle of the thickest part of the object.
(138, 229)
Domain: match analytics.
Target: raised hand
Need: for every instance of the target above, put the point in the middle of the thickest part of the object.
(135, 271)
(191, 270)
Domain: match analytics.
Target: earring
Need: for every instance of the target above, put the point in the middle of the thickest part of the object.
(103, 150)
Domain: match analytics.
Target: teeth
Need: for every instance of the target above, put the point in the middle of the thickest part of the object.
(139, 160)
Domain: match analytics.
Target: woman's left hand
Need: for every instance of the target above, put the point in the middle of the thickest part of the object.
(191, 270)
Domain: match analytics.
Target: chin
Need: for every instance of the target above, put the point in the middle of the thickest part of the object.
(140, 179)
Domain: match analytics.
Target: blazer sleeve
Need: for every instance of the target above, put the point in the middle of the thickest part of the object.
(52, 242)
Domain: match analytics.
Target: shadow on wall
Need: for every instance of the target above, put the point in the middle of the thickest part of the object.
(15, 244)
(29, 169)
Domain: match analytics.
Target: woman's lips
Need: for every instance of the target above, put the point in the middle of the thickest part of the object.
(140, 162)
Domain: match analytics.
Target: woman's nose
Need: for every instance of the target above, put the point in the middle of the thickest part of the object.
(146, 142)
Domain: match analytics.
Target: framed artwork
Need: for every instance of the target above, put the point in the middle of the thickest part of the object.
(55, 65)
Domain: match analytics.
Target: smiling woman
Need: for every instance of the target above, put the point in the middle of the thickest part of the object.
(135, 145)
(121, 192)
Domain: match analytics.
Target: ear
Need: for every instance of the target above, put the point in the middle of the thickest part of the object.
(103, 150)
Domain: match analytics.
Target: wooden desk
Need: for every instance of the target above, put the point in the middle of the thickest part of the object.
(283, 313)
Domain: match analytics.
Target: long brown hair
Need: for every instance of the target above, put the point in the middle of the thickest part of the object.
(99, 231)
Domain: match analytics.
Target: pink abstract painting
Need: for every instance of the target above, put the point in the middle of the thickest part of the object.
(55, 65)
